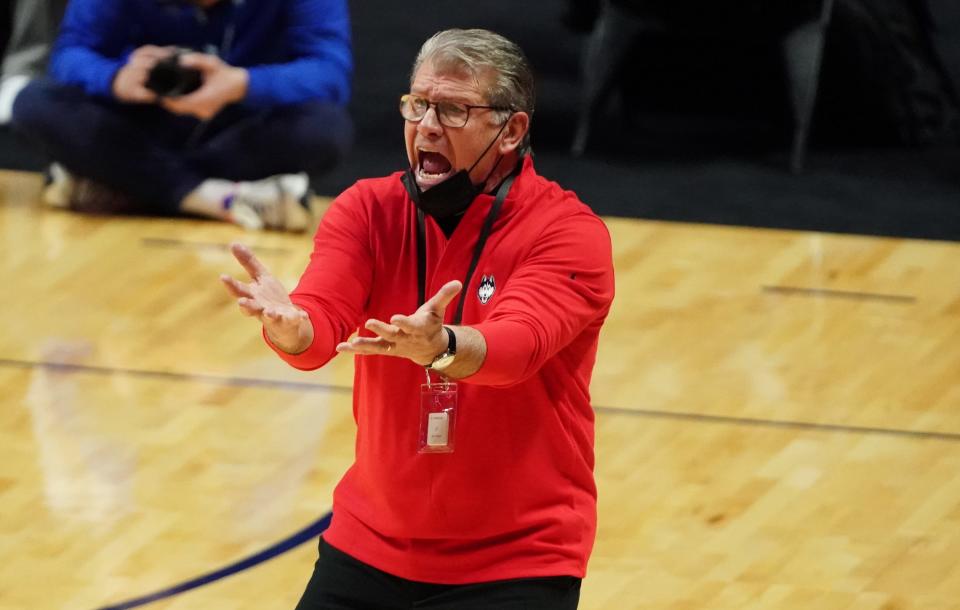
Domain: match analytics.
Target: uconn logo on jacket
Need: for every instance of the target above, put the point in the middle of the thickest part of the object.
(487, 287)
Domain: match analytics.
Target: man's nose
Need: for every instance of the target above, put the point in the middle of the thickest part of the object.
(430, 123)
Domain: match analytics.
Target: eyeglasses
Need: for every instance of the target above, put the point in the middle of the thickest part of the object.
(450, 114)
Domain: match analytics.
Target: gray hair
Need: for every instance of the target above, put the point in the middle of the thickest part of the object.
(482, 53)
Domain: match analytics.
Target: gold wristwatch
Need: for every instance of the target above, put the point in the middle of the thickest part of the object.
(445, 359)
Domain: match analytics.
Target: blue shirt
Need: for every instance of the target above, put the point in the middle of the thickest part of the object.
(294, 50)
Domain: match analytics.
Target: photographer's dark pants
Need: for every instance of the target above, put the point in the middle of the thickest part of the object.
(341, 582)
(158, 158)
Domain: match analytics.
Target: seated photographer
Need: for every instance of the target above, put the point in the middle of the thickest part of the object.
(217, 108)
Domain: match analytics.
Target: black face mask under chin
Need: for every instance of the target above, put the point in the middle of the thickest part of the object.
(454, 195)
(449, 198)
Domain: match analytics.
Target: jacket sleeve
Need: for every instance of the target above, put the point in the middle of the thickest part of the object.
(91, 46)
(318, 35)
(335, 286)
(564, 285)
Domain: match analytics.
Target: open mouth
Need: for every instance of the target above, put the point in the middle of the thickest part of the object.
(432, 168)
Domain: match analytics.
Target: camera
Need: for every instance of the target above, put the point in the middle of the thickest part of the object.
(169, 79)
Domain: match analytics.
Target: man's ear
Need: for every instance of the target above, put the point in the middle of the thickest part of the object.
(517, 126)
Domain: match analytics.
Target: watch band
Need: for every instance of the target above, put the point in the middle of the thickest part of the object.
(446, 358)
(452, 341)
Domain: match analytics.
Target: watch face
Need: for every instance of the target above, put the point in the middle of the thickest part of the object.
(443, 361)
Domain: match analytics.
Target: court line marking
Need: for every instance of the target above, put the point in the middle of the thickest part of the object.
(306, 534)
(777, 423)
(841, 294)
(164, 242)
(65, 367)
(636, 412)
(318, 527)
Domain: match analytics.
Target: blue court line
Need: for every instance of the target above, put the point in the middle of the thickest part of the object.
(635, 412)
(318, 527)
(313, 530)
(781, 423)
(63, 367)
(310, 532)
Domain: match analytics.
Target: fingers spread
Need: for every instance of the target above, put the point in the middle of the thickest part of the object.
(438, 302)
(235, 288)
(249, 307)
(245, 257)
(386, 331)
(366, 346)
(407, 324)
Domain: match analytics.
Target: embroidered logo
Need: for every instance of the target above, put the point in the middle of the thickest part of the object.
(486, 289)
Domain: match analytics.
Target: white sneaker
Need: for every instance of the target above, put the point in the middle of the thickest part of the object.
(10, 88)
(59, 187)
(278, 202)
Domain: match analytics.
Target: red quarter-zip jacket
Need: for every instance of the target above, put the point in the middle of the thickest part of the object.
(517, 498)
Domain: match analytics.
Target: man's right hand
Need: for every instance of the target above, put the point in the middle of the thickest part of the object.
(287, 326)
(130, 83)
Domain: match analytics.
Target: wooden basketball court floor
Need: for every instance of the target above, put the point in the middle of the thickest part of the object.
(778, 419)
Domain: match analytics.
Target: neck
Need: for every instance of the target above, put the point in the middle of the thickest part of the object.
(504, 169)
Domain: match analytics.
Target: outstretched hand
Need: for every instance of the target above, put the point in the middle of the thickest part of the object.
(419, 336)
(265, 298)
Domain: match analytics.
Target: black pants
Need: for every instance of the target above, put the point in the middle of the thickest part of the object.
(157, 158)
(340, 582)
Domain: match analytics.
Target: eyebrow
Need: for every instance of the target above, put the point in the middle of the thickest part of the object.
(451, 98)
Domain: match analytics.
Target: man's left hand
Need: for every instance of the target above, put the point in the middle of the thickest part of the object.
(223, 84)
(419, 336)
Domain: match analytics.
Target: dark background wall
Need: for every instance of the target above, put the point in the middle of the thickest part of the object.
(699, 128)
(698, 132)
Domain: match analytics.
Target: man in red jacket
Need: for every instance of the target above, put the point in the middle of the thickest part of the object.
(474, 489)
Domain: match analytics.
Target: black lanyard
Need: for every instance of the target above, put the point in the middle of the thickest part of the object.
(477, 251)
